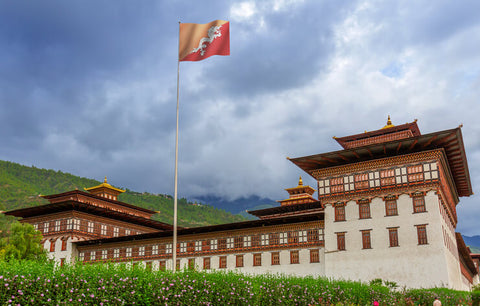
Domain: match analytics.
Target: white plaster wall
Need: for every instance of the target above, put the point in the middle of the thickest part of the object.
(409, 264)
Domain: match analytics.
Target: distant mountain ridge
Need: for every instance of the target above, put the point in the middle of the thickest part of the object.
(473, 242)
(21, 186)
(237, 206)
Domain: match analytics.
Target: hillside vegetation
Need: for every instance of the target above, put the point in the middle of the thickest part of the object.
(21, 186)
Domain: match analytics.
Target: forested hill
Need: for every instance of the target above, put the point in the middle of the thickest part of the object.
(21, 186)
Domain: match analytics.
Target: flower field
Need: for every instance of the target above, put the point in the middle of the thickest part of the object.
(32, 283)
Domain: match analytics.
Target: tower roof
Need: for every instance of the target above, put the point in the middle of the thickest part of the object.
(104, 186)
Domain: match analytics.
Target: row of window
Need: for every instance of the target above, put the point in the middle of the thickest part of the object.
(53, 243)
(376, 179)
(239, 260)
(418, 202)
(392, 236)
(313, 236)
(83, 226)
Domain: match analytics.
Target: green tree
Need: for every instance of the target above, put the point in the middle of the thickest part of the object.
(23, 243)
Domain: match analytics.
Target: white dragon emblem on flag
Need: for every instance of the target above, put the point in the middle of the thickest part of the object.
(213, 32)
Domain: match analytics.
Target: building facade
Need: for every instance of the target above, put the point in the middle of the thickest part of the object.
(386, 208)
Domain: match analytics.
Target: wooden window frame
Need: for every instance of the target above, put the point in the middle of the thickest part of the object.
(364, 210)
(52, 245)
(391, 208)
(294, 257)
(257, 259)
(366, 239)
(340, 214)
(314, 255)
(239, 261)
(222, 262)
(422, 234)
(64, 245)
(275, 258)
(341, 241)
(419, 205)
(393, 236)
(206, 263)
(191, 264)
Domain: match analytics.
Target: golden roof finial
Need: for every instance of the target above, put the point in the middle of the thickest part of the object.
(105, 180)
(300, 182)
(389, 123)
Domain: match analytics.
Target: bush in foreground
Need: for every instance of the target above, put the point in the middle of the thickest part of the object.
(28, 283)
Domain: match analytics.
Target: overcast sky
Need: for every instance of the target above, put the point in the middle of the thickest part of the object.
(89, 87)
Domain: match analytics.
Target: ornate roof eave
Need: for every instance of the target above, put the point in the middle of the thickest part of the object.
(72, 205)
(67, 194)
(389, 128)
(450, 140)
(286, 208)
(464, 252)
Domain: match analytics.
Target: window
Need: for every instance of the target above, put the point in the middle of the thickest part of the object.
(222, 262)
(57, 225)
(141, 251)
(76, 224)
(387, 177)
(115, 231)
(230, 243)
(205, 245)
(177, 265)
(422, 234)
(154, 249)
(222, 244)
(293, 237)
(162, 266)
(104, 254)
(336, 185)
(92, 255)
(90, 227)
(341, 241)
(294, 259)
(247, 241)
(314, 256)
(183, 247)
(364, 210)
(52, 245)
(64, 245)
(302, 236)
(391, 207)
(190, 246)
(312, 235)
(366, 239)
(103, 230)
(275, 258)
(257, 259)
(168, 248)
(340, 212)
(82, 256)
(283, 238)
(393, 236)
(129, 252)
(418, 203)
(238, 242)
(206, 263)
(264, 239)
(274, 238)
(69, 224)
(213, 244)
(191, 264)
(45, 227)
(255, 240)
(127, 232)
(239, 261)
(35, 226)
(361, 181)
(62, 261)
(198, 246)
(116, 253)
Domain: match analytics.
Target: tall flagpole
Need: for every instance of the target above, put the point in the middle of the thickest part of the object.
(174, 246)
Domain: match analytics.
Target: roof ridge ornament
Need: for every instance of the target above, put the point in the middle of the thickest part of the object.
(389, 123)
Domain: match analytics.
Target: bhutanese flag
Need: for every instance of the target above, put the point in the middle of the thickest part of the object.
(199, 41)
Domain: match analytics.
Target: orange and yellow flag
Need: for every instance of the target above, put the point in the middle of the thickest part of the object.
(199, 41)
